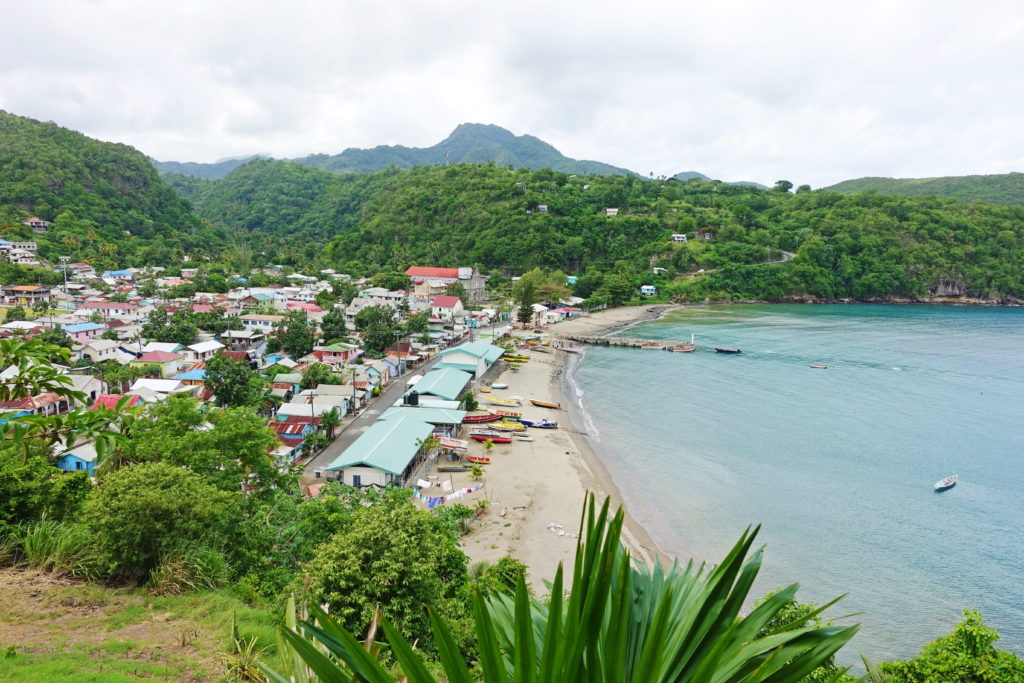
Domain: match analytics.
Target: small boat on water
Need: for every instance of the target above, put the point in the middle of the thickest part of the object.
(947, 483)
(545, 404)
(490, 436)
(509, 402)
(479, 459)
(540, 424)
(685, 348)
(479, 419)
(818, 366)
(659, 347)
(724, 350)
(453, 469)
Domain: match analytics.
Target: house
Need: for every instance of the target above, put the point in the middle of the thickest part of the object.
(611, 212)
(254, 301)
(80, 458)
(260, 322)
(83, 332)
(22, 257)
(311, 404)
(243, 340)
(357, 304)
(679, 237)
(445, 421)
(41, 404)
(203, 351)
(474, 357)
(337, 353)
(27, 295)
(81, 271)
(193, 377)
(111, 309)
(429, 282)
(37, 224)
(166, 347)
(100, 350)
(118, 275)
(380, 295)
(110, 401)
(388, 453)
(447, 383)
(648, 290)
(705, 233)
(446, 307)
(166, 363)
(157, 389)
(292, 436)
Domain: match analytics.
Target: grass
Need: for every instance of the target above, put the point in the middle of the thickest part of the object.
(68, 630)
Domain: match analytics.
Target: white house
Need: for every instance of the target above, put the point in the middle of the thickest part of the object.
(203, 351)
(446, 307)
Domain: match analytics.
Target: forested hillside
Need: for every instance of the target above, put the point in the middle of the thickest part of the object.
(106, 202)
(1006, 188)
(507, 221)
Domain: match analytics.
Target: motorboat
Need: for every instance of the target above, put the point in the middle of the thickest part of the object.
(947, 483)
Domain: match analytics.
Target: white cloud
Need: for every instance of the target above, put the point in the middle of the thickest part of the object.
(810, 91)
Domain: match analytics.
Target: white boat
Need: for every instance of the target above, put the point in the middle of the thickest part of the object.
(947, 483)
(522, 437)
(499, 386)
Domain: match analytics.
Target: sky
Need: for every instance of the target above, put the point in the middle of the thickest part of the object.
(812, 92)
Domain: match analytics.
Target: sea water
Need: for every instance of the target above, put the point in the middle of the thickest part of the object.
(837, 464)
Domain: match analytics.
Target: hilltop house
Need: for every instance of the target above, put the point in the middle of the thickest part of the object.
(430, 282)
(37, 224)
(26, 295)
(446, 307)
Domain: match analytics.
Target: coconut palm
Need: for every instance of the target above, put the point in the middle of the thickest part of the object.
(620, 622)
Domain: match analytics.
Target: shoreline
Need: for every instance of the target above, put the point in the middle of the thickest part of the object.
(536, 490)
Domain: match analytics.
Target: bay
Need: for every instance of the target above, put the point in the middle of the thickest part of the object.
(837, 464)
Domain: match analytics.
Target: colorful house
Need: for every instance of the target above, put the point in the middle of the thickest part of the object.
(166, 363)
(83, 332)
(80, 458)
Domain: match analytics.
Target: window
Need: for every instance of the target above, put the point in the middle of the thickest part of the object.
(357, 480)
(78, 465)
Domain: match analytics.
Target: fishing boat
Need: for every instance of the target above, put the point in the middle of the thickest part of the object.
(541, 349)
(947, 483)
(818, 366)
(499, 386)
(479, 459)
(456, 468)
(685, 348)
(659, 347)
(540, 424)
(545, 404)
(508, 414)
(490, 436)
(479, 419)
(509, 402)
(508, 426)
(515, 358)
(724, 350)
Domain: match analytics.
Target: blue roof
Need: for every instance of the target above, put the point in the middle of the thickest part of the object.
(82, 327)
(118, 272)
(197, 374)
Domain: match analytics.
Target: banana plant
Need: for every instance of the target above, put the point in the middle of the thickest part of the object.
(620, 621)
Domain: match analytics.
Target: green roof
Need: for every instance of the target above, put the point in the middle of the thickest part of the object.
(489, 352)
(388, 445)
(448, 383)
(458, 366)
(288, 377)
(435, 416)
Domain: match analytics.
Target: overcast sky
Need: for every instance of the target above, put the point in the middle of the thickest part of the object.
(814, 92)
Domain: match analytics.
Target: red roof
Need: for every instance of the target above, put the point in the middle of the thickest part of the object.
(110, 400)
(423, 271)
(158, 357)
(30, 403)
(443, 301)
(237, 355)
(109, 304)
(202, 308)
(301, 419)
(305, 306)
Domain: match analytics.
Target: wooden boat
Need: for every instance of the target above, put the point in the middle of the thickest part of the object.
(508, 426)
(490, 436)
(947, 483)
(818, 366)
(659, 347)
(541, 424)
(479, 459)
(499, 386)
(478, 419)
(508, 414)
(545, 404)
(485, 391)
(542, 349)
(685, 348)
(509, 402)
(723, 350)
(516, 359)
(456, 468)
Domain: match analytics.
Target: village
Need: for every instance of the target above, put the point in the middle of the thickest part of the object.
(410, 393)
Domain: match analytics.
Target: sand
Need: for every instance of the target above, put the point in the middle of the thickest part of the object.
(536, 490)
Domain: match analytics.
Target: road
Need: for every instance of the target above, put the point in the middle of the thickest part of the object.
(355, 428)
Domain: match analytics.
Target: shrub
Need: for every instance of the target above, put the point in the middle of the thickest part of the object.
(53, 546)
(189, 567)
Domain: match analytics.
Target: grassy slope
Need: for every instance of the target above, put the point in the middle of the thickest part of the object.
(53, 629)
(1006, 188)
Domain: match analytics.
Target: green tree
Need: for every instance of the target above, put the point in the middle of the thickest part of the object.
(295, 335)
(456, 289)
(379, 328)
(330, 420)
(391, 280)
(783, 186)
(141, 511)
(56, 336)
(319, 373)
(176, 328)
(233, 382)
(16, 313)
(333, 325)
(526, 297)
(31, 488)
(413, 561)
(345, 291)
(966, 655)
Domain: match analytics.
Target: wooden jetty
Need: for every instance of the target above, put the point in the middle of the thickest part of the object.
(659, 344)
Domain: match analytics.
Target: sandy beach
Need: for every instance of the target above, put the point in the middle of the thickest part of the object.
(536, 488)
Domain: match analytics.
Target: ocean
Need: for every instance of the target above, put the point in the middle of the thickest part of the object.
(837, 464)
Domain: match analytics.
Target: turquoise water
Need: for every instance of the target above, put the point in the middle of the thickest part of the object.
(837, 464)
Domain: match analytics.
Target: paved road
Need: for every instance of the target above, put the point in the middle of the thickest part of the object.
(354, 429)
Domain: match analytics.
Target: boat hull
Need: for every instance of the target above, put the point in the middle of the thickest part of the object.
(733, 351)
(480, 419)
(479, 460)
(496, 438)
(545, 404)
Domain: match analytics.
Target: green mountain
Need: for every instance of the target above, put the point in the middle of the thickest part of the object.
(1005, 188)
(106, 202)
(469, 143)
(766, 244)
(695, 175)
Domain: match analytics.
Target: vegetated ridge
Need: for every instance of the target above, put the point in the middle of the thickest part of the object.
(1004, 188)
(863, 246)
(105, 202)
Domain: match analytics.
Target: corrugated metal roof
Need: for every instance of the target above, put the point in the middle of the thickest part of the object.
(448, 383)
(388, 445)
(435, 416)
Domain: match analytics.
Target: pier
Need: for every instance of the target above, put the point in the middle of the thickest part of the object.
(637, 343)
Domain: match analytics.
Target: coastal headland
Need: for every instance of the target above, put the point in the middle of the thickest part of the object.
(536, 489)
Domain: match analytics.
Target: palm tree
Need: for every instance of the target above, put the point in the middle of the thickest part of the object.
(620, 621)
(330, 420)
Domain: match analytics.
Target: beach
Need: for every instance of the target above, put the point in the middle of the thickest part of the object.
(536, 489)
